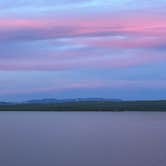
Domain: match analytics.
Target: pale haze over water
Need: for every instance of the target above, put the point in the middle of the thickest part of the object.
(82, 139)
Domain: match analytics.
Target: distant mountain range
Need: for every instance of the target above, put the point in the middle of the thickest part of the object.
(47, 101)
(6, 103)
(52, 101)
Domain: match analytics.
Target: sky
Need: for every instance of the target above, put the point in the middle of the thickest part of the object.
(82, 48)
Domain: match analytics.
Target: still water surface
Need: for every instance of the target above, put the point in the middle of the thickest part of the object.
(82, 139)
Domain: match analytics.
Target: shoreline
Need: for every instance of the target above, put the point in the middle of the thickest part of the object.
(157, 106)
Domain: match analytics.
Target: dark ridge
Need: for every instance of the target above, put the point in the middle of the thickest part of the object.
(88, 106)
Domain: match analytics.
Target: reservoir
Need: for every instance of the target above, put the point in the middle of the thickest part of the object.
(82, 138)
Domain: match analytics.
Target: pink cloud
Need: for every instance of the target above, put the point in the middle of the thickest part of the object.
(73, 27)
(137, 31)
(126, 43)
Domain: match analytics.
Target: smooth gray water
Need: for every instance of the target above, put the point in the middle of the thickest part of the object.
(82, 139)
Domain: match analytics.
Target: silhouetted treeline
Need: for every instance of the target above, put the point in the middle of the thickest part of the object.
(90, 106)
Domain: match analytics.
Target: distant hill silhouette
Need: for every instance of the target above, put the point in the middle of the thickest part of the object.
(47, 101)
(5, 103)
